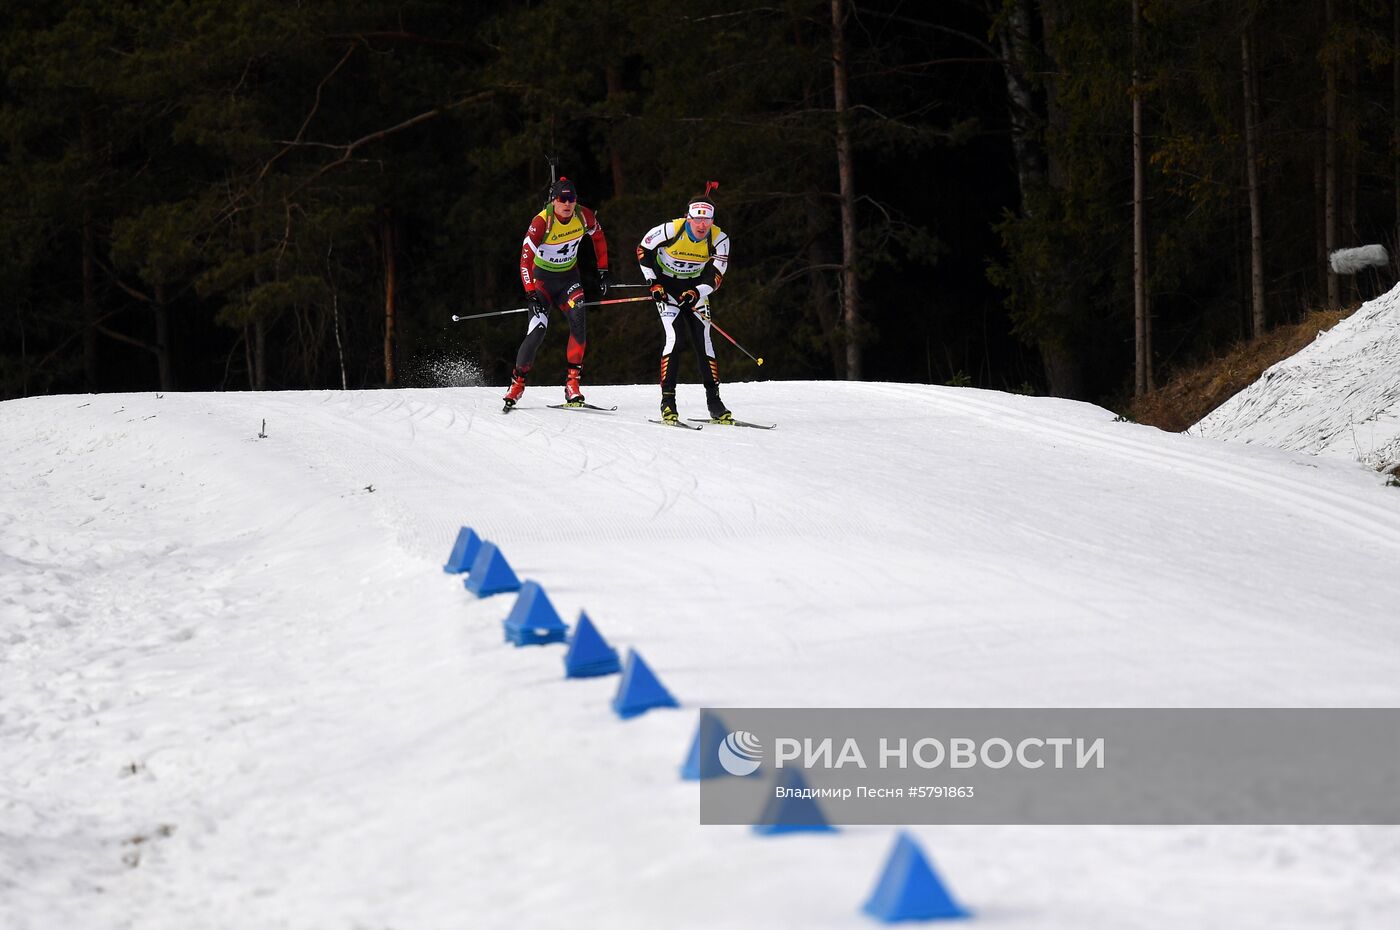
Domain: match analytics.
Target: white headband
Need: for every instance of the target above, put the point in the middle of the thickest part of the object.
(700, 210)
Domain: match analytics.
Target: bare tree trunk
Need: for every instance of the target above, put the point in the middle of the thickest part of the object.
(1395, 124)
(1329, 147)
(1258, 318)
(482, 285)
(260, 355)
(1014, 40)
(1320, 216)
(335, 317)
(1349, 231)
(1240, 254)
(1142, 347)
(91, 372)
(248, 359)
(257, 370)
(1035, 167)
(339, 346)
(390, 292)
(614, 81)
(850, 293)
(818, 256)
(1064, 370)
(23, 353)
(91, 366)
(165, 355)
(819, 260)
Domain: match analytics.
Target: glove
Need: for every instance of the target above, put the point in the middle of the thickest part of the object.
(688, 300)
(658, 293)
(604, 280)
(537, 302)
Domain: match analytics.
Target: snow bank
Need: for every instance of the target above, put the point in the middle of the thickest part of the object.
(238, 691)
(1339, 397)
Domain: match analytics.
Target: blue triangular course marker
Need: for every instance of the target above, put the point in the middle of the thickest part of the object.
(491, 573)
(640, 690)
(589, 654)
(464, 551)
(710, 732)
(791, 814)
(533, 620)
(909, 889)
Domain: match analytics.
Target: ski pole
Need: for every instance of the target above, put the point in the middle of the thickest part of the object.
(715, 327)
(477, 316)
(589, 303)
(617, 300)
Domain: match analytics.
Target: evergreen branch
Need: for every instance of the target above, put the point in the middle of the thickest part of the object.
(956, 33)
(732, 13)
(889, 119)
(805, 269)
(132, 291)
(758, 121)
(122, 337)
(412, 38)
(905, 69)
(43, 362)
(762, 196)
(348, 149)
(144, 298)
(315, 106)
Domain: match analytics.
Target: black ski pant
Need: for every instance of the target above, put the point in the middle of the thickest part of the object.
(565, 292)
(683, 327)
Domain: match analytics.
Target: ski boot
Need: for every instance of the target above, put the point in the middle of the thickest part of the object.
(573, 397)
(718, 412)
(517, 387)
(668, 408)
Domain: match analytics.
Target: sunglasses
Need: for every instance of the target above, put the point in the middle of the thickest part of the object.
(567, 198)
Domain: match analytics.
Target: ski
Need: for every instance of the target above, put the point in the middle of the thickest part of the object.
(677, 423)
(734, 423)
(583, 407)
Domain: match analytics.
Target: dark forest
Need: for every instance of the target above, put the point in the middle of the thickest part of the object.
(275, 195)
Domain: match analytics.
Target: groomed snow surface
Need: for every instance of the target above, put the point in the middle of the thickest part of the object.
(238, 691)
(1339, 397)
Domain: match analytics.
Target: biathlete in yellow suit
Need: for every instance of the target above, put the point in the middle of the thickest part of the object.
(685, 260)
(549, 272)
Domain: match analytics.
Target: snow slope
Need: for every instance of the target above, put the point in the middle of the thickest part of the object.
(1339, 397)
(238, 691)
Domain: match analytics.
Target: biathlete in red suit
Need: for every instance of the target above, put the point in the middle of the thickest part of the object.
(549, 272)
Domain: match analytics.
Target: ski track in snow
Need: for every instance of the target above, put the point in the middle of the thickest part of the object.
(238, 690)
(1313, 498)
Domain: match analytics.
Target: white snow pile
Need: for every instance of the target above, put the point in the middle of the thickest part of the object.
(1339, 397)
(238, 691)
